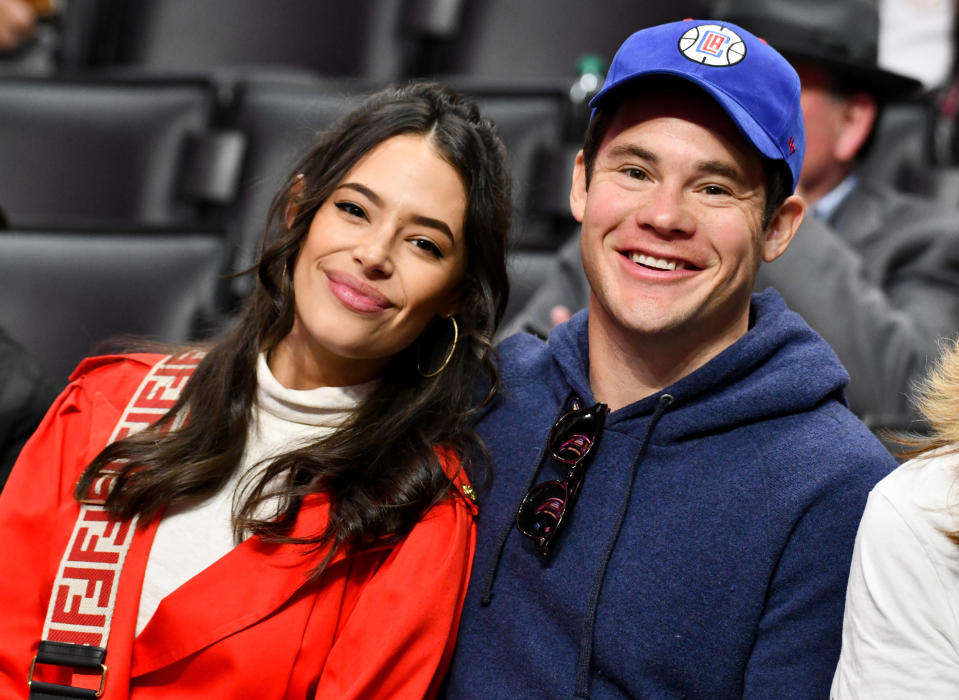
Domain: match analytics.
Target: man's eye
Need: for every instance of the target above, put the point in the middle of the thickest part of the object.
(715, 190)
(351, 209)
(636, 173)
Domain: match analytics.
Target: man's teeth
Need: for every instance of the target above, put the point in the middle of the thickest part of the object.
(658, 263)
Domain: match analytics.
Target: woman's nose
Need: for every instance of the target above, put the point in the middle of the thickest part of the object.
(374, 252)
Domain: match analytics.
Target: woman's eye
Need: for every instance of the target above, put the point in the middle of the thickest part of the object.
(429, 246)
(351, 209)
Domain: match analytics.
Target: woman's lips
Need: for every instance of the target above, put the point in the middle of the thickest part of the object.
(355, 294)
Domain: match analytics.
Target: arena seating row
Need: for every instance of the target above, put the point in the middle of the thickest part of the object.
(367, 39)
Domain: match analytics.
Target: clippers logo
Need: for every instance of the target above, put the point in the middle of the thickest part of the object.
(712, 45)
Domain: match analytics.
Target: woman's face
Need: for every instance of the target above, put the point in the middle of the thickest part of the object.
(384, 255)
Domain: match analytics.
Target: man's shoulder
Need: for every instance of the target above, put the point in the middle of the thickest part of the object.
(826, 444)
(891, 205)
(522, 355)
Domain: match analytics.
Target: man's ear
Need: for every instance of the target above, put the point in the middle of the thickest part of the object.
(783, 227)
(857, 118)
(297, 190)
(577, 192)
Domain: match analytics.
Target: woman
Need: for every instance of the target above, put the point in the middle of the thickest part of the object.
(303, 527)
(900, 634)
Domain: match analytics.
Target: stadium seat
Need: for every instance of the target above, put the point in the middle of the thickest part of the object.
(106, 154)
(535, 39)
(65, 293)
(355, 39)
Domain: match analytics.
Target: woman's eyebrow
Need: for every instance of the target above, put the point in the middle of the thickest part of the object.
(364, 190)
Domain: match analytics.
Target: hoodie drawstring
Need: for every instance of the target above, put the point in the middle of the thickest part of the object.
(586, 640)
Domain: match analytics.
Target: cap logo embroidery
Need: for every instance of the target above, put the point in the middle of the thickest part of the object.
(712, 45)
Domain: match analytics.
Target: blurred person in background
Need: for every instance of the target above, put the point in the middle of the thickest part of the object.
(18, 19)
(26, 392)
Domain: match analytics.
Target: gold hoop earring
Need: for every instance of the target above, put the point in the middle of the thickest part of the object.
(449, 355)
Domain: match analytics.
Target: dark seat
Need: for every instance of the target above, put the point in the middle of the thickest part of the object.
(104, 154)
(537, 39)
(63, 293)
(529, 118)
(356, 39)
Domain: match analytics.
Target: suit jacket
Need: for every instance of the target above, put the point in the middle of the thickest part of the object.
(378, 624)
(879, 281)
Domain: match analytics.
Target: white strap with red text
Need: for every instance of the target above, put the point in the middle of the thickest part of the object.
(84, 591)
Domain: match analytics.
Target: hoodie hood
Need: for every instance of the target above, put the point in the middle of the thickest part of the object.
(779, 367)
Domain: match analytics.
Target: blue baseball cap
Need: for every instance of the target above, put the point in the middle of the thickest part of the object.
(750, 80)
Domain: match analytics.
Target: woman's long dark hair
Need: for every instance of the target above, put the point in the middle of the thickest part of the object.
(380, 469)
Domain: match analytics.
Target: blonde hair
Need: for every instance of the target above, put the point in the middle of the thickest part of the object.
(937, 399)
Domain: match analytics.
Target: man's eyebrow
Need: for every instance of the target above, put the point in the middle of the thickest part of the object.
(429, 221)
(628, 150)
(716, 167)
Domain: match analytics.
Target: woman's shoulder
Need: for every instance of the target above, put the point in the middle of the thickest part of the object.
(924, 494)
(930, 480)
(112, 380)
(103, 365)
(453, 467)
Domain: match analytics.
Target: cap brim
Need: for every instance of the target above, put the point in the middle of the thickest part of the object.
(743, 120)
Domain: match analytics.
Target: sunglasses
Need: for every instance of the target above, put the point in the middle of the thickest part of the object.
(571, 440)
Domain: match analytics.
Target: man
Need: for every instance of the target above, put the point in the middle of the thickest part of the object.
(695, 540)
(875, 271)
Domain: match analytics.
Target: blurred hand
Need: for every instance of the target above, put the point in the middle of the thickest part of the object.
(17, 22)
(558, 315)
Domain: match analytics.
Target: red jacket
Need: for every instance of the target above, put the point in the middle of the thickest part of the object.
(380, 624)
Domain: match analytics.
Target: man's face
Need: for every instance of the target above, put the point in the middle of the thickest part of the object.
(671, 222)
(837, 127)
(822, 115)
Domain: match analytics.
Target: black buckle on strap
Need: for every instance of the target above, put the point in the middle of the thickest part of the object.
(82, 656)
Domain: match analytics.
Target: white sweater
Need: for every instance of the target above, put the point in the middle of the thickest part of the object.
(188, 541)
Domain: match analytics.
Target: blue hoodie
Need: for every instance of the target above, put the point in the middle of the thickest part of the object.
(708, 551)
